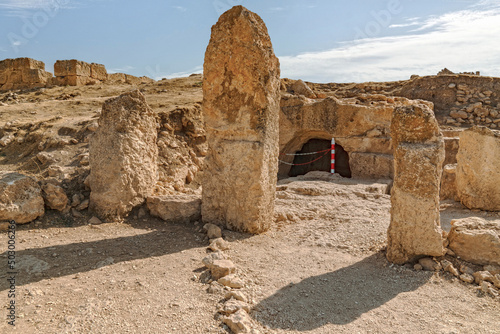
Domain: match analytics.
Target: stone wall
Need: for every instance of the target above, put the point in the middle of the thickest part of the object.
(360, 125)
(78, 73)
(22, 73)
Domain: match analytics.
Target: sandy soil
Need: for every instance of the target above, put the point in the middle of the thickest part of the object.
(320, 269)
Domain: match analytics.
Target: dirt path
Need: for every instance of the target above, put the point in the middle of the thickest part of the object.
(321, 269)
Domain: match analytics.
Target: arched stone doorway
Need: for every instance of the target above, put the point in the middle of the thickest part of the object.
(302, 164)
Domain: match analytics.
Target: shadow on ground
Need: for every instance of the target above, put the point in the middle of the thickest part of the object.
(338, 297)
(36, 264)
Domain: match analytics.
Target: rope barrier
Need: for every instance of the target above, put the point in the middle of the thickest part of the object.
(310, 153)
(307, 163)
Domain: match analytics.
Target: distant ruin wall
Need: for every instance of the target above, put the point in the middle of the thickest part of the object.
(78, 73)
(22, 73)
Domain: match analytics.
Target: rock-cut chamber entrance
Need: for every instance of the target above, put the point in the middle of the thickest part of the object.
(304, 163)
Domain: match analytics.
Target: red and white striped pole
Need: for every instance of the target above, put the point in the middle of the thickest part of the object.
(332, 168)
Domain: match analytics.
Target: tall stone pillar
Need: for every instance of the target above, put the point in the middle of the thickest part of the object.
(415, 228)
(241, 80)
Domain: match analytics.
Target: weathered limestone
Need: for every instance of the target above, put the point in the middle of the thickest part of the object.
(241, 108)
(78, 73)
(449, 183)
(478, 169)
(178, 208)
(371, 165)
(418, 156)
(20, 198)
(123, 154)
(21, 73)
(476, 240)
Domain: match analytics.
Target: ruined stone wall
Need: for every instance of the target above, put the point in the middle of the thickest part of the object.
(78, 73)
(461, 99)
(22, 73)
(360, 125)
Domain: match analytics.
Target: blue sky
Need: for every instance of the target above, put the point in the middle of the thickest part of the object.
(316, 40)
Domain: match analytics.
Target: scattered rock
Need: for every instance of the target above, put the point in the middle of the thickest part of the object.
(481, 276)
(232, 306)
(448, 266)
(181, 207)
(209, 260)
(492, 268)
(467, 278)
(218, 244)
(55, 197)
(83, 205)
(238, 295)
(20, 198)
(95, 221)
(213, 231)
(476, 240)
(418, 267)
(125, 141)
(45, 158)
(466, 269)
(231, 281)
(301, 88)
(429, 264)
(221, 268)
(75, 213)
(239, 322)
(6, 140)
(215, 288)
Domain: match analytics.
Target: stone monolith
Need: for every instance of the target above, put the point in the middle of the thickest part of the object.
(241, 82)
(415, 228)
(123, 154)
(478, 169)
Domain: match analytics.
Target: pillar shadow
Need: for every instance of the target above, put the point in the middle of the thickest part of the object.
(338, 297)
(36, 264)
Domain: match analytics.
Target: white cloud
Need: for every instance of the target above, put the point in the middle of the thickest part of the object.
(22, 8)
(123, 69)
(180, 8)
(461, 41)
(197, 69)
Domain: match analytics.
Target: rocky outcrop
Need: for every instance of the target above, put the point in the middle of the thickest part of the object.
(78, 73)
(20, 198)
(175, 208)
(128, 79)
(476, 240)
(478, 169)
(415, 229)
(123, 156)
(241, 109)
(22, 73)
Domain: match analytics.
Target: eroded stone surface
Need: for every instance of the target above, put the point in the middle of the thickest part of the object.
(241, 107)
(20, 198)
(123, 154)
(478, 169)
(418, 157)
(476, 240)
(179, 207)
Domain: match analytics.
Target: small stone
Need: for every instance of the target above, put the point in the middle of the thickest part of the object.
(232, 281)
(496, 280)
(213, 231)
(467, 278)
(417, 267)
(45, 158)
(482, 276)
(448, 266)
(54, 196)
(95, 221)
(233, 306)
(76, 213)
(209, 260)
(429, 264)
(238, 295)
(221, 268)
(239, 322)
(141, 213)
(466, 270)
(450, 252)
(83, 205)
(452, 85)
(215, 288)
(485, 286)
(492, 268)
(218, 244)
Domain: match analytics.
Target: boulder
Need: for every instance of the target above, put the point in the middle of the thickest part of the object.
(301, 88)
(415, 229)
(55, 197)
(241, 82)
(123, 154)
(476, 240)
(20, 198)
(239, 322)
(179, 208)
(478, 169)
